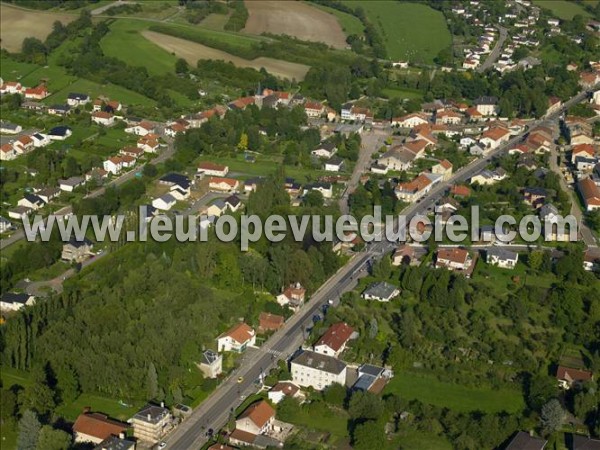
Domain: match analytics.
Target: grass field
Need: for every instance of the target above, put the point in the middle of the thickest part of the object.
(105, 405)
(215, 21)
(296, 19)
(402, 93)
(460, 398)
(12, 376)
(16, 24)
(13, 70)
(192, 52)
(562, 9)
(138, 51)
(410, 31)
(349, 23)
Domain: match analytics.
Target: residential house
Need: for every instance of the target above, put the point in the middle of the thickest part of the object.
(141, 129)
(59, 110)
(242, 103)
(325, 150)
(494, 137)
(212, 169)
(381, 291)
(36, 93)
(413, 190)
(488, 177)
(103, 118)
(397, 158)
(487, 106)
(9, 301)
(334, 340)
(175, 128)
(443, 168)
(579, 442)
(591, 262)
(40, 140)
(19, 212)
(23, 144)
(459, 190)
(334, 164)
(221, 184)
(269, 322)
(95, 428)
(326, 189)
(553, 224)
(525, 441)
(116, 443)
(254, 425)
(448, 117)
(5, 225)
(60, 133)
(113, 165)
(473, 115)
(77, 250)
(217, 208)
(313, 109)
(236, 339)
(421, 141)
(76, 99)
(134, 152)
(151, 423)
(568, 377)
(233, 203)
(504, 259)
(7, 152)
(590, 193)
(284, 389)
(70, 184)
(311, 369)
(149, 143)
(534, 196)
(410, 120)
(11, 87)
(588, 80)
(293, 296)
(31, 201)
(371, 379)
(554, 105)
(453, 258)
(404, 254)
(211, 364)
(165, 202)
(10, 128)
(582, 151)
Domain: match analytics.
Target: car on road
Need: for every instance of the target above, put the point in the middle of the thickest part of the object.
(242, 397)
(162, 445)
(240, 379)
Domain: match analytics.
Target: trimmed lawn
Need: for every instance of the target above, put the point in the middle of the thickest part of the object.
(214, 21)
(56, 77)
(12, 376)
(417, 440)
(402, 93)
(13, 70)
(331, 421)
(411, 31)
(562, 9)
(428, 389)
(108, 406)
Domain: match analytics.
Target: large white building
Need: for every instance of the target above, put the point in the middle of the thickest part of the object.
(236, 339)
(317, 370)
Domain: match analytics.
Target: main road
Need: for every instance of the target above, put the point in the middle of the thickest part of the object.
(215, 411)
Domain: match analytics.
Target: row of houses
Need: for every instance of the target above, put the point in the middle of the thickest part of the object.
(27, 143)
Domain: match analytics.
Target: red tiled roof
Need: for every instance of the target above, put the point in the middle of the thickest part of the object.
(570, 374)
(285, 387)
(102, 114)
(268, 321)
(496, 133)
(230, 181)
(457, 255)
(98, 425)
(336, 336)
(446, 164)
(207, 165)
(589, 191)
(584, 148)
(416, 185)
(259, 413)
(240, 333)
(461, 191)
(313, 105)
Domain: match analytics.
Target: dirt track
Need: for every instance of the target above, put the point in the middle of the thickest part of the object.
(16, 24)
(192, 52)
(296, 19)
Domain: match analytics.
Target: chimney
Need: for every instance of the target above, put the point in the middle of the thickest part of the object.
(121, 435)
(149, 417)
(162, 404)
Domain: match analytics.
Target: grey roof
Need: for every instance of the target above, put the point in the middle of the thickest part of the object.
(486, 100)
(335, 160)
(11, 297)
(4, 220)
(370, 369)
(584, 443)
(115, 443)
(399, 153)
(48, 192)
(364, 382)
(59, 131)
(32, 198)
(168, 198)
(220, 203)
(73, 181)
(80, 243)
(233, 200)
(380, 290)
(209, 357)
(523, 441)
(502, 254)
(319, 361)
(77, 96)
(326, 145)
(8, 125)
(548, 209)
(151, 413)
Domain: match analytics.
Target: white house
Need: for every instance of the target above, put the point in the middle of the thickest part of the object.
(141, 129)
(10, 128)
(7, 152)
(504, 259)
(76, 99)
(382, 292)
(70, 184)
(410, 120)
(494, 137)
(236, 339)
(212, 169)
(283, 389)
(453, 258)
(311, 369)
(334, 164)
(40, 140)
(325, 150)
(13, 302)
(103, 118)
(487, 106)
(334, 340)
(4, 225)
(113, 165)
(164, 203)
(31, 201)
(397, 158)
(325, 189)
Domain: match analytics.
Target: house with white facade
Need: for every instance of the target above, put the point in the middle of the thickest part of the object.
(310, 369)
(236, 339)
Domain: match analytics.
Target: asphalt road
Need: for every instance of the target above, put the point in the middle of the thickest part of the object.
(495, 53)
(163, 156)
(215, 411)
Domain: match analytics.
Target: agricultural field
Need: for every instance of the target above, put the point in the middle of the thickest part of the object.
(295, 19)
(17, 24)
(562, 9)
(215, 21)
(192, 52)
(411, 31)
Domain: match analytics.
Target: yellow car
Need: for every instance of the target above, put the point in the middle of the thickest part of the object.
(240, 379)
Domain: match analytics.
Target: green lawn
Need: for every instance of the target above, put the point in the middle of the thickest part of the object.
(418, 440)
(108, 406)
(349, 23)
(428, 389)
(12, 376)
(215, 21)
(562, 9)
(55, 76)
(411, 31)
(11, 70)
(402, 93)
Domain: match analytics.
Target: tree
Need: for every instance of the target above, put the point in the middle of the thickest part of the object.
(51, 439)
(313, 199)
(243, 144)
(288, 409)
(181, 66)
(29, 430)
(8, 405)
(536, 258)
(152, 382)
(369, 435)
(39, 397)
(335, 394)
(552, 416)
(149, 171)
(365, 405)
